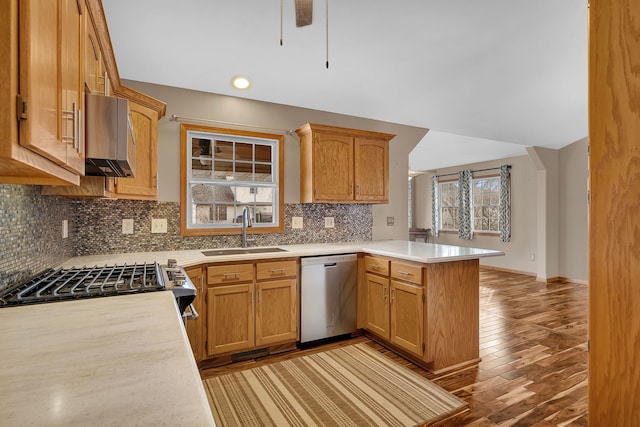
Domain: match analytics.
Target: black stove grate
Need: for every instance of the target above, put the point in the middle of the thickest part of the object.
(84, 282)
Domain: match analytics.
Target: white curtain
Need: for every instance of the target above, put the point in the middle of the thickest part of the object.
(465, 202)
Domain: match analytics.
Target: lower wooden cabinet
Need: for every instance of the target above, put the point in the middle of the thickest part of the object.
(230, 318)
(249, 306)
(195, 328)
(276, 312)
(394, 308)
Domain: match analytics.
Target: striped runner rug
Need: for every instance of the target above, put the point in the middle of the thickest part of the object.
(349, 386)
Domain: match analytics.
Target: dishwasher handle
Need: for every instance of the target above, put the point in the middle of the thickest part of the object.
(335, 264)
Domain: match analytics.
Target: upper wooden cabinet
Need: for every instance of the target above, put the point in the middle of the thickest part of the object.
(31, 146)
(52, 53)
(341, 165)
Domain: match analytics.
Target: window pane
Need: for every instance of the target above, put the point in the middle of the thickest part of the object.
(202, 193)
(203, 214)
(245, 168)
(244, 152)
(263, 153)
(264, 214)
(263, 173)
(223, 150)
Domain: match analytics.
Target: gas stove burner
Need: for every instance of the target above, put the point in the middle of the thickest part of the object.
(84, 282)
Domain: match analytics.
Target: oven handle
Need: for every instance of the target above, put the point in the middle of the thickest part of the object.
(190, 313)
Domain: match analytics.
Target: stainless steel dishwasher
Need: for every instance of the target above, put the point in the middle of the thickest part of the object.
(327, 296)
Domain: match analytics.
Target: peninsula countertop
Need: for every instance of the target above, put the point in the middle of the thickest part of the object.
(122, 360)
(403, 249)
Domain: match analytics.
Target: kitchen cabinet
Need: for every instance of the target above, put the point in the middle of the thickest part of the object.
(145, 113)
(144, 185)
(251, 305)
(426, 311)
(196, 327)
(277, 307)
(341, 165)
(394, 302)
(31, 65)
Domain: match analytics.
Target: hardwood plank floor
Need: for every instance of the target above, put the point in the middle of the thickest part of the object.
(533, 344)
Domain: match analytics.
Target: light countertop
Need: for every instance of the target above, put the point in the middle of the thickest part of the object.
(122, 360)
(412, 251)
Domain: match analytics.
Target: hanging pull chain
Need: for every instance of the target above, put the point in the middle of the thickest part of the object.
(326, 5)
(281, 7)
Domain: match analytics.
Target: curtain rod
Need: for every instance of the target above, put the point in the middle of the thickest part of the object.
(177, 118)
(477, 170)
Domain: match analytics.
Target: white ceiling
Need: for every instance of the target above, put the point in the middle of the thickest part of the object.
(474, 72)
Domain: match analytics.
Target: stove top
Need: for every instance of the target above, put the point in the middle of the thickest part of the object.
(85, 282)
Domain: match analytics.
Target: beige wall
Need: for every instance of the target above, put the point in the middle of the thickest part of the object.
(548, 213)
(188, 103)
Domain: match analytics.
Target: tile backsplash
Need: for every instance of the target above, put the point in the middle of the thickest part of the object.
(31, 229)
(31, 232)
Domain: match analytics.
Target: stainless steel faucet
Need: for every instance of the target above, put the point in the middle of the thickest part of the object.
(246, 222)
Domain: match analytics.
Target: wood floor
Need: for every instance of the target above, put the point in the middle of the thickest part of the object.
(533, 344)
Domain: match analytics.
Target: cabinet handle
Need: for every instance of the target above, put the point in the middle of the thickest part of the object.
(229, 275)
(351, 189)
(260, 297)
(384, 293)
(405, 273)
(78, 133)
(277, 271)
(373, 267)
(393, 295)
(358, 187)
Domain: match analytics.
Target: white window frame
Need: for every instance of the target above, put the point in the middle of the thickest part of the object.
(189, 226)
(440, 193)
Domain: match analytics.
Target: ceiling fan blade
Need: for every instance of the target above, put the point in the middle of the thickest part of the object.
(304, 12)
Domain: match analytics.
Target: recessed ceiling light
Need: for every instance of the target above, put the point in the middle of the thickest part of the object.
(241, 82)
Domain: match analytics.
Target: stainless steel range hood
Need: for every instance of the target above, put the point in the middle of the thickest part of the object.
(109, 142)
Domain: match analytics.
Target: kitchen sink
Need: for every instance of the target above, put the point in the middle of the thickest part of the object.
(241, 251)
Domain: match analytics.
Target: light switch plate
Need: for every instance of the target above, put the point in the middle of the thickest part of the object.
(127, 226)
(329, 222)
(390, 221)
(158, 225)
(65, 228)
(296, 222)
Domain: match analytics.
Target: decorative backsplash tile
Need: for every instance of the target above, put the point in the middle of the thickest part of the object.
(99, 227)
(31, 232)
(31, 229)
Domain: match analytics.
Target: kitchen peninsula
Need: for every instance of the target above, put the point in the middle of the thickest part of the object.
(419, 299)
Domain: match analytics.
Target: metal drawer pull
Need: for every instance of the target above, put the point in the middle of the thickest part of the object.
(192, 314)
(227, 275)
(406, 273)
(277, 270)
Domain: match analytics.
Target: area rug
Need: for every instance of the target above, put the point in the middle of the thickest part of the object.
(349, 386)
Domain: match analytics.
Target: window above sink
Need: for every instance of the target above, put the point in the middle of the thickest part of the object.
(224, 170)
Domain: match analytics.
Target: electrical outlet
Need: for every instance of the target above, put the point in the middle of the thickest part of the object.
(390, 221)
(329, 222)
(127, 226)
(296, 222)
(65, 228)
(158, 225)
(532, 257)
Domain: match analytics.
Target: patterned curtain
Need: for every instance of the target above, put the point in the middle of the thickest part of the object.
(435, 206)
(505, 204)
(465, 182)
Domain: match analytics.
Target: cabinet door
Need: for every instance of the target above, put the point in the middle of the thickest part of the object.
(230, 319)
(407, 316)
(39, 72)
(371, 170)
(144, 186)
(377, 304)
(196, 328)
(276, 312)
(332, 167)
(72, 15)
(92, 57)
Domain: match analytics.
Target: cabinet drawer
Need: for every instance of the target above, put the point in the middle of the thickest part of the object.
(276, 269)
(407, 272)
(234, 273)
(376, 265)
